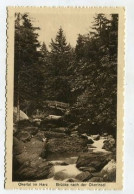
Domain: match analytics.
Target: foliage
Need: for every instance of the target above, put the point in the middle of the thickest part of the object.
(84, 76)
(96, 78)
(27, 75)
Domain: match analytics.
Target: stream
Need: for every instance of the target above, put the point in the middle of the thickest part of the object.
(71, 168)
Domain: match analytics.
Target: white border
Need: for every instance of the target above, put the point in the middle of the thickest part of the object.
(129, 86)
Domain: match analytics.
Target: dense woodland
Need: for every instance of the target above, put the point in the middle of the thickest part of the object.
(85, 77)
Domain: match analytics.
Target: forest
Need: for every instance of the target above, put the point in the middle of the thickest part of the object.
(74, 87)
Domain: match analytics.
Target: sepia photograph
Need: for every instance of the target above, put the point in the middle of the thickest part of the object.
(65, 87)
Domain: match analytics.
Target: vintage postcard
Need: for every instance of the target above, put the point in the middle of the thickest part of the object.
(65, 72)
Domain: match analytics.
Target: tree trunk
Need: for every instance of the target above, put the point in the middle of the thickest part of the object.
(18, 100)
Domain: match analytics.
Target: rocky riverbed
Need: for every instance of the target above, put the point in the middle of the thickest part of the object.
(55, 153)
(95, 165)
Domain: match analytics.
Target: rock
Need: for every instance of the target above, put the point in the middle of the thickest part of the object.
(96, 137)
(31, 150)
(24, 136)
(61, 175)
(27, 161)
(32, 130)
(90, 141)
(34, 170)
(89, 169)
(26, 133)
(18, 146)
(53, 117)
(109, 171)
(96, 179)
(59, 130)
(51, 134)
(66, 145)
(83, 176)
(23, 116)
(71, 180)
(64, 164)
(53, 123)
(105, 134)
(71, 160)
(74, 134)
(109, 136)
(40, 136)
(36, 121)
(84, 135)
(61, 163)
(96, 160)
(109, 144)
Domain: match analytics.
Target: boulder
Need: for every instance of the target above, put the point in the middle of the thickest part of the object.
(61, 175)
(89, 169)
(26, 133)
(31, 150)
(27, 161)
(109, 171)
(96, 160)
(34, 170)
(66, 145)
(109, 144)
(18, 146)
(90, 140)
(83, 176)
(71, 180)
(51, 134)
(32, 130)
(53, 123)
(23, 116)
(23, 136)
(96, 137)
(96, 179)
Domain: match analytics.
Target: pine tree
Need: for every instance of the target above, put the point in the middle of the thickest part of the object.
(26, 64)
(96, 76)
(44, 53)
(60, 53)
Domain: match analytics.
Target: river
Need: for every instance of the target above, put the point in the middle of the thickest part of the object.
(71, 170)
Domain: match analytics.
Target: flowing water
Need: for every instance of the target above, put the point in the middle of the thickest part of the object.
(71, 169)
(97, 145)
